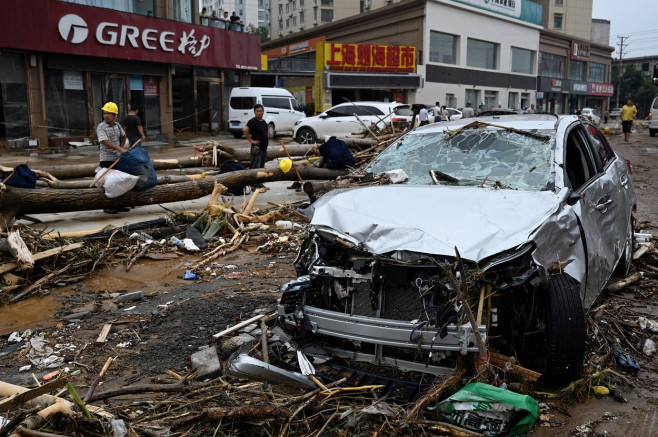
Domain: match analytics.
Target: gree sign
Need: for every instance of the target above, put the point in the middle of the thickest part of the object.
(70, 28)
(73, 29)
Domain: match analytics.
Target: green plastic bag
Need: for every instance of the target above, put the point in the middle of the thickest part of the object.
(490, 410)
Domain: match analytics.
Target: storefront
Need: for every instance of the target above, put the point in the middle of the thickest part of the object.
(552, 94)
(578, 91)
(371, 72)
(60, 65)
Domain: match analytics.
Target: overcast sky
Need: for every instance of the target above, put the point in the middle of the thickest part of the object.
(636, 19)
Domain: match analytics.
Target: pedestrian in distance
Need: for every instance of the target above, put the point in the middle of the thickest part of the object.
(111, 138)
(468, 111)
(531, 109)
(437, 112)
(627, 115)
(256, 133)
(133, 126)
(423, 116)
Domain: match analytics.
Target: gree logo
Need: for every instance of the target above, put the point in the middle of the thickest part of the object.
(73, 29)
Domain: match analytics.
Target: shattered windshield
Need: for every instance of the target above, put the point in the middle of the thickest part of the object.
(510, 158)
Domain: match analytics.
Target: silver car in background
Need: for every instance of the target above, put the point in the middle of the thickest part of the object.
(527, 215)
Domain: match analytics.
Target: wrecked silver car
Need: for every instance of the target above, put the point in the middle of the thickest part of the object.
(521, 219)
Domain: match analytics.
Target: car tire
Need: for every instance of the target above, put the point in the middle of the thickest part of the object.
(237, 134)
(565, 331)
(270, 131)
(306, 136)
(652, 132)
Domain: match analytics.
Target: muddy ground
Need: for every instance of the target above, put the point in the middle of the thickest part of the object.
(177, 317)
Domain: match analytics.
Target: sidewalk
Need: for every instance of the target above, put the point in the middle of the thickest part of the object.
(97, 219)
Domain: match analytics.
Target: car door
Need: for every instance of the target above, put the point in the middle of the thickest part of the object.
(338, 122)
(598, 209)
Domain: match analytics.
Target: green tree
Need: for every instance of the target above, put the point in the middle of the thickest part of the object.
(637, 86)
(261, 31)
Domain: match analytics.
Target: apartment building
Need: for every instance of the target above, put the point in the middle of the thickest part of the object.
(59, 65)
(251, 12)
(569, 17)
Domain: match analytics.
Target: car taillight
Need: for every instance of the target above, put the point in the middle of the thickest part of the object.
(398, 120)
(629, 166)
(650, 116)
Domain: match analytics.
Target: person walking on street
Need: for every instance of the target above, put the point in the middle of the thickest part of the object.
(133, 126)
(423, 116)
(111, 138)
(437, 112)
(627, 115)
(256, 133)
(468, 111)
(531, 109)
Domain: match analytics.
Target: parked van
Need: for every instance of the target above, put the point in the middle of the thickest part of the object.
(653, 118)
(281, 109)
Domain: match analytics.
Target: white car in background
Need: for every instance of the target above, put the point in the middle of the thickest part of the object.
(340, 120)
(590, 114)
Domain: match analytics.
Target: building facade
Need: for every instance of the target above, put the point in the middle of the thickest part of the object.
(492, 54)
(569, 17)
(58, 68)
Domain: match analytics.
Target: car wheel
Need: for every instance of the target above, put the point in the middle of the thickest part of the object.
(652, 132)
(565, 331)
(306, 136)
(237, 134)
(270, 130)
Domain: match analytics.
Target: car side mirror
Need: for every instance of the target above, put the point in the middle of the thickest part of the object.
(323, 115)
(573, 198)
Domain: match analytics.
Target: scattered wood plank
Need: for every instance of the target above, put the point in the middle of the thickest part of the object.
(243, 324)
(42, 255)
(104, 333)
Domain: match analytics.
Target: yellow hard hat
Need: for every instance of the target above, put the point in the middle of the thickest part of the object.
(111, 107)
(606, 130)
(285, 165)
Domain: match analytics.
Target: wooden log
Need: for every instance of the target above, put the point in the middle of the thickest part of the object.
(19, 201)
(41, 255)
(89, 170)
(242, 153)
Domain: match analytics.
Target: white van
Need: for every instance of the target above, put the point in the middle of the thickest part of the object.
(281, 109)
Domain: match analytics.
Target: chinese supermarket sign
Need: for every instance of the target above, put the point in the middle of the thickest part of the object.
(368, 57)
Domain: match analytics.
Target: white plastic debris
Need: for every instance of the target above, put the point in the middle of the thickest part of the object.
(649, 347)
(189, 245)
(396, 176)
(645, 323)
(15, 337)
(25, 368)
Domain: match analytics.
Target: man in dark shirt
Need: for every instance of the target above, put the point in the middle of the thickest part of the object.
(133, 126)
(256, 133)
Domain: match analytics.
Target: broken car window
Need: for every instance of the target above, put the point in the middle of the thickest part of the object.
(517, 161)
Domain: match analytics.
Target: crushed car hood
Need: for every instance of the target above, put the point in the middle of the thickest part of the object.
(480, 222)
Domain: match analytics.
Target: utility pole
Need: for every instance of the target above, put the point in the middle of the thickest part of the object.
(621, 55)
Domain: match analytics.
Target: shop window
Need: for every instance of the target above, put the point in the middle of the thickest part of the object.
(523, 61)
(551, 65)
(66, 104)
(512, 100)
(14, 111)
(451, 100)
(491, 99)
(576, 70)
(183, 10)
(596, 72)
(481, 54)
(472, 96)
(443, 48)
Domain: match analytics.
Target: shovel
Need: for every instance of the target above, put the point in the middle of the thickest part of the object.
(307, 369)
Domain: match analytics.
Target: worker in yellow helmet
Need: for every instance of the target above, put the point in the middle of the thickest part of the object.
(111, 138)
